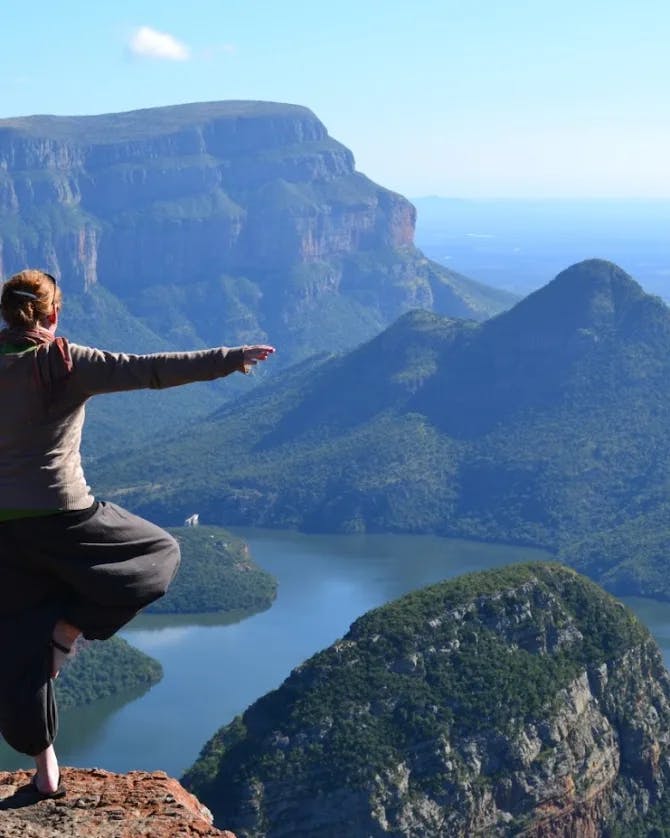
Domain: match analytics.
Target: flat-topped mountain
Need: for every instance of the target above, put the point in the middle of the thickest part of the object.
(523, 701)
(206, 224)
(219, 222)
(548, 424)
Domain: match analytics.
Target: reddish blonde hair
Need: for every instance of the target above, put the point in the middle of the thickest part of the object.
(21, 311)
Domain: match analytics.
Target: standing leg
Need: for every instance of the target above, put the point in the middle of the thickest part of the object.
(28, 713)
(47, 774)
(90, 570)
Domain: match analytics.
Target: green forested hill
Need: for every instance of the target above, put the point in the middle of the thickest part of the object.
(456, 710)
(216, 574)
(548, 424)
(102, 669)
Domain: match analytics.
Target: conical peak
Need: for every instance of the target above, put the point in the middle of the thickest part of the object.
(594, 294)
(595, 276)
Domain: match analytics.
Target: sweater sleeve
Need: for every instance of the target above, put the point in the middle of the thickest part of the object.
(97, 371)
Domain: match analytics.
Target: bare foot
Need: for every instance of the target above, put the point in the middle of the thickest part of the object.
(47, 774)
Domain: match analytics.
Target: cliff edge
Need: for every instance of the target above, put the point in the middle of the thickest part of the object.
(134, 805)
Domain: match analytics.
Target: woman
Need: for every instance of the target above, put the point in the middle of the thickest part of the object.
(69, 565)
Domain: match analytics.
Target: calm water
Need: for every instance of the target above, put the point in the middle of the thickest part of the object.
(214, 668)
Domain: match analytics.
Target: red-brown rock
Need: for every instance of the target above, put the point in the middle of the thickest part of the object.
(104, 805)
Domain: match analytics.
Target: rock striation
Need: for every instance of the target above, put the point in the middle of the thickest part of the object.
(105, 805)
(523, 701)
(205, 178)
(190, 212)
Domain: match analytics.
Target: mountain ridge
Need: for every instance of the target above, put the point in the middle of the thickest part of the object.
(454, 428)
(163, 119)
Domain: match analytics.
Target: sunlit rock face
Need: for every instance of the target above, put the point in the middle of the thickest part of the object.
(243, 214)
(178, 192)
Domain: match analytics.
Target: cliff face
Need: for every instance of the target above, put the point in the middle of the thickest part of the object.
(104, 805)
(185, 191)
(517, 702)
(243, 213)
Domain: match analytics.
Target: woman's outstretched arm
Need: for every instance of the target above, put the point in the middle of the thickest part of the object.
(97, 371)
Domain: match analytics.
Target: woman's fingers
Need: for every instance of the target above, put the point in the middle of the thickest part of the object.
(253, 354)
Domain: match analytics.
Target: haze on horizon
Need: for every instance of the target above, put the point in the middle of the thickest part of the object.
(463, 98)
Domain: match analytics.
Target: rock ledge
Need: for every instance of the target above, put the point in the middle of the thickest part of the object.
(139, 804)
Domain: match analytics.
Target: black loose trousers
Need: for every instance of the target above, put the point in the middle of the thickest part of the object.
(95, 568)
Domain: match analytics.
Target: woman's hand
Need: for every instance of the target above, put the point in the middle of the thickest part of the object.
(254, 354)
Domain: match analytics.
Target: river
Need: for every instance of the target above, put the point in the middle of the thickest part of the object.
(215, 668)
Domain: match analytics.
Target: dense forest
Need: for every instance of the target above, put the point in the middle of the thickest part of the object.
(216, 574)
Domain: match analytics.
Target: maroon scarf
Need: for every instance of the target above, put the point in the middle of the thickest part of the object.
(33, 337)
(42, 337)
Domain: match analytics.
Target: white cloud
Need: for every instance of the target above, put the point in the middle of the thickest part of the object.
(149, 43)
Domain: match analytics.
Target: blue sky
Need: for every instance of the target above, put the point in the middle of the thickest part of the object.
(466, 98)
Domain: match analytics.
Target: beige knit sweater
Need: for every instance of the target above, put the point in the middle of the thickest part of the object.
(42, 412)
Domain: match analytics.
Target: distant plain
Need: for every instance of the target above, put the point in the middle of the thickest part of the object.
(520, 245)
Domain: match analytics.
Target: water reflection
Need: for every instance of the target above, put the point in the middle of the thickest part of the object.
(82, 727)
(157, 622)
(656, 616)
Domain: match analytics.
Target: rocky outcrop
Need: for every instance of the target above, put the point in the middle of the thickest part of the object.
(517, 702)
(105, 805)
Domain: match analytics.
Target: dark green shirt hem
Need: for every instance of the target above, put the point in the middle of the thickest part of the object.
(15, 514)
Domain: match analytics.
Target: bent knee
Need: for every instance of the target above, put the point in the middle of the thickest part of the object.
(171, 555)
(26, 740)
(166, 564)
(172, 549)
